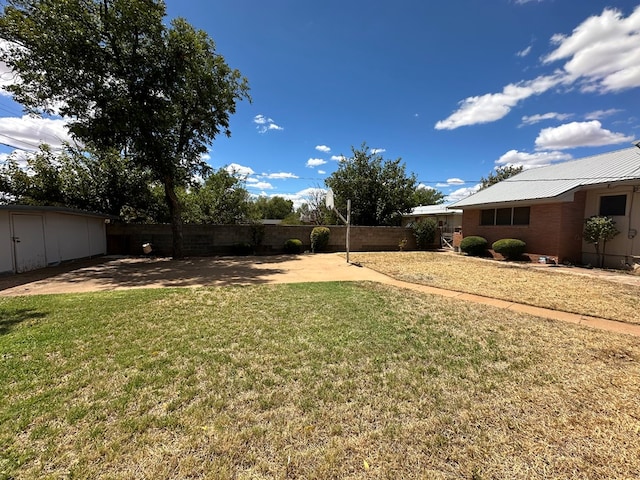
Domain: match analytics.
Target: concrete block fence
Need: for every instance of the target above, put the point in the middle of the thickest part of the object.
(209, 240)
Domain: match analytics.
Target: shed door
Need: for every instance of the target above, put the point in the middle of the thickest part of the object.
(28, 242)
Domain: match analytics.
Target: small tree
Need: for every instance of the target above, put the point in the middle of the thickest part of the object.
(598, 231)
(425, 231)
(319, 239)
(501, 173)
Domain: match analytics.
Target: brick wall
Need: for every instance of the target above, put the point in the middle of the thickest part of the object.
(207, 240)
(554, 229)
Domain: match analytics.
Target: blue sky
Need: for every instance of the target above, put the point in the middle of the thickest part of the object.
(454, 88)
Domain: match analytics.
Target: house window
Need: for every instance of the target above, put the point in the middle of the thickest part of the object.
(613, 205)
(521, 215)
(488, 217)
(505, 216)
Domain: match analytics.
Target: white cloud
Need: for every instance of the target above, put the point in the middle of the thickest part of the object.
(524, 52)
(376, 151)
(602, 54)
(600, 114)
(533, 119)
(235, 168)
(522, 2)
(27, 133)
(422, 186)
(603, 51)
(323, 148)
(259, 185)
(321, 172)
(578, 134)
(494, 106)
(338, 158)
(7, 77)
(279, 175)
(455, 181)
(315, 162)
(461, 193)
(531, 160)
(265, 124)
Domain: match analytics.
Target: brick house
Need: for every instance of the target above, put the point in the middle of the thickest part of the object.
(546, 207)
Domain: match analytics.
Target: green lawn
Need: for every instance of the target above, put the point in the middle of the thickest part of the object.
(315, 381)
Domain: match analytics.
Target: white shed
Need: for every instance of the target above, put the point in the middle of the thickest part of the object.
(33, 237)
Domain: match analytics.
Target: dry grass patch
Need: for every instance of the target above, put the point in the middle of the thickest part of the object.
(309, 381)
(546, 288)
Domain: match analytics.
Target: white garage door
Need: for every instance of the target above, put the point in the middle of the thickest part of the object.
(28, 242)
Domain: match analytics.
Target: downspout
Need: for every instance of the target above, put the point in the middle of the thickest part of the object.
(632, 232)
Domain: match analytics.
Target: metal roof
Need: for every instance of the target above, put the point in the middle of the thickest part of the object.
(433, 210)
(66, 210)
(553, 182)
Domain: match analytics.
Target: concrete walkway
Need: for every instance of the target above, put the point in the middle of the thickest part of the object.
(117, 273)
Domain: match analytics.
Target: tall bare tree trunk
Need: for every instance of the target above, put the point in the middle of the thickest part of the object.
(175, 211)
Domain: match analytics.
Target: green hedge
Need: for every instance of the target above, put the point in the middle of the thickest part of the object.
(242, 248)
(293, 245)
(319, 239)
(474, 246)
(509, 248)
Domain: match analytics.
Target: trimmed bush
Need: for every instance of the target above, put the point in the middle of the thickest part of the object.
(474, 246)
(242, 248)
(319, 239)
(293, 245)
(425, 231)
(509, 248)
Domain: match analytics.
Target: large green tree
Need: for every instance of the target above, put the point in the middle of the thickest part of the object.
(427, 196)
(157, 93)
(275, 207)
(221, 199)
(98, 181)
(380, 190)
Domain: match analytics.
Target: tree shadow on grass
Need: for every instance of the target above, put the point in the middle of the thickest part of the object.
(8, 320)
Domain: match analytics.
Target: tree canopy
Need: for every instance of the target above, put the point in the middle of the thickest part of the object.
(427, 196)
(275, 208)
(501, 173)
(380, 190)
(158, 94)
(96, 181)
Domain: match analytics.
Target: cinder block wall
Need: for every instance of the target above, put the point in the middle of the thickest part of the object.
(208, 240)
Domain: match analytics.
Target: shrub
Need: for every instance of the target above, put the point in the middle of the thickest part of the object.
(293, 245)
(598, 231)
(242, 248)
(510, 248)
(319, 239)
(474, 246)
(425, 231)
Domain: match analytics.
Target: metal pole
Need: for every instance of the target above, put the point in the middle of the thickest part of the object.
(348, 227)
